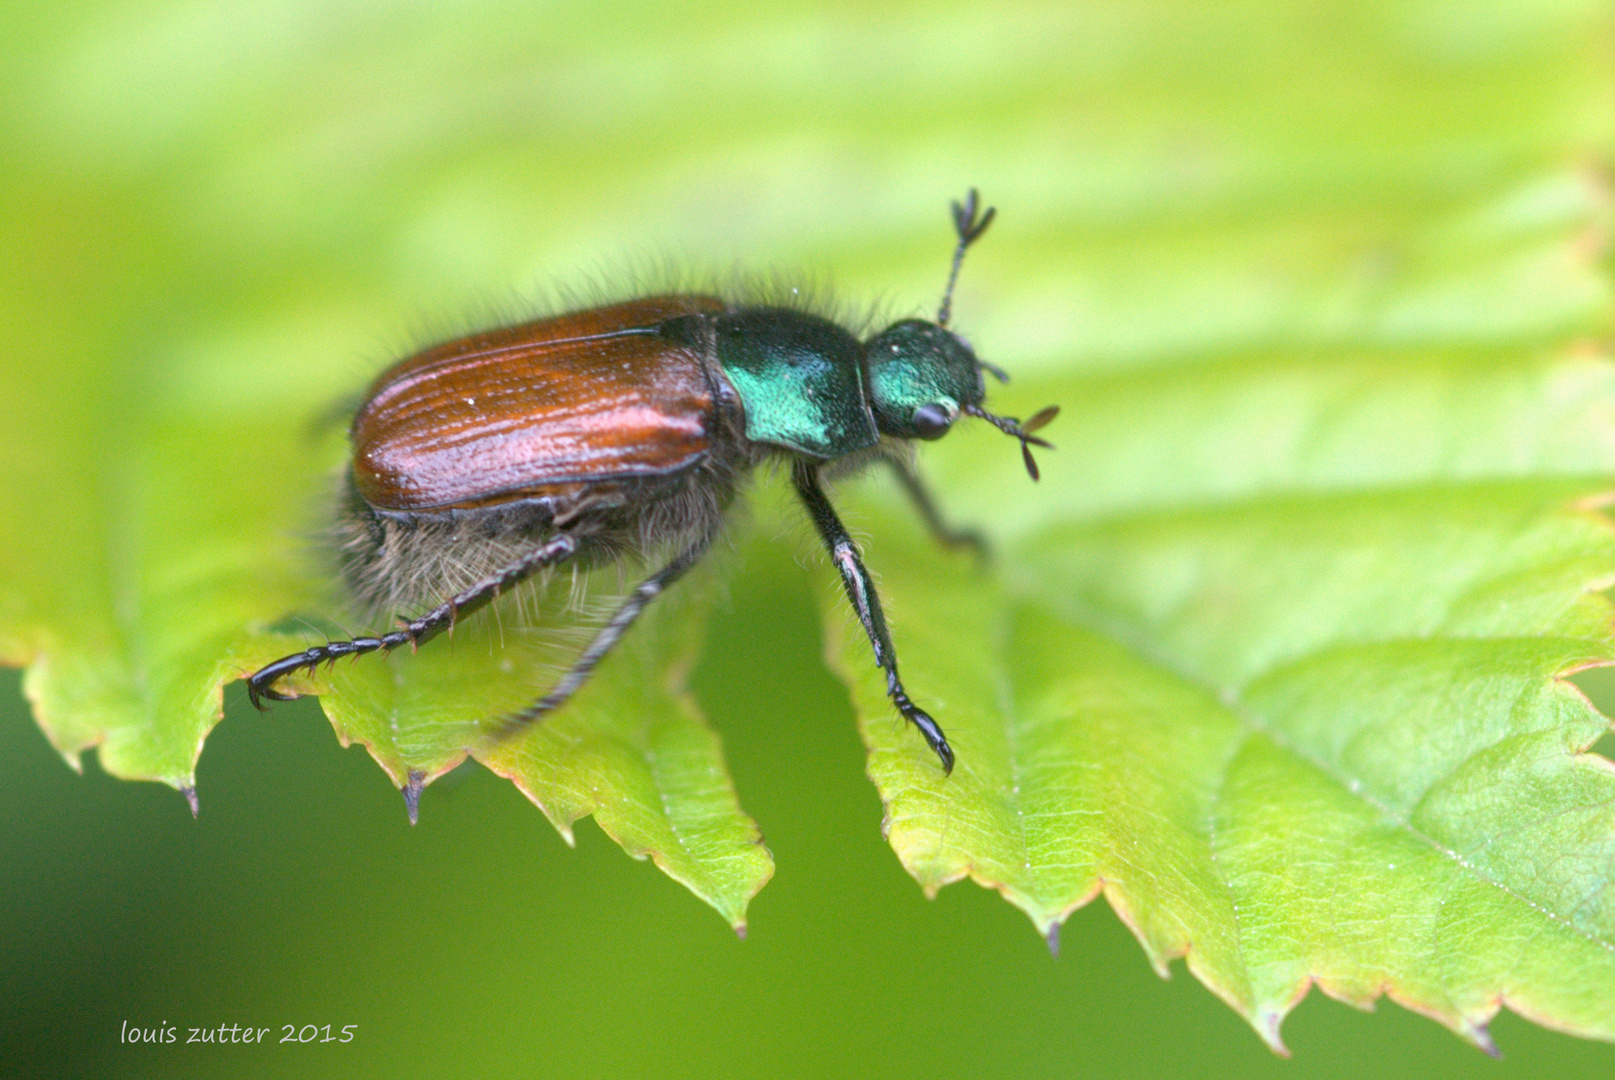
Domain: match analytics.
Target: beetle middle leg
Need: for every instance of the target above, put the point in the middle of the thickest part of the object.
(949, 536)
(557, 549)
(606, 638)
(865, 601)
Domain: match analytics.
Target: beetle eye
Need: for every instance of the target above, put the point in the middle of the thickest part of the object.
(931, 421)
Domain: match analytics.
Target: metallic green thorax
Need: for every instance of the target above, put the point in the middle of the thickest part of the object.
(810, 386)
(800, 380)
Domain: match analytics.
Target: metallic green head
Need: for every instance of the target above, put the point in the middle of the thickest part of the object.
(920, 378)
(921, 375)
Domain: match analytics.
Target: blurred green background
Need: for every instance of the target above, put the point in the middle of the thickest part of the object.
(244, 183)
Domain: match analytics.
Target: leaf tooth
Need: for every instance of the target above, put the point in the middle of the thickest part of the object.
(1053, 938)
(1481, 1036)
(189, 791)
(1267, 1025)
(412, 794)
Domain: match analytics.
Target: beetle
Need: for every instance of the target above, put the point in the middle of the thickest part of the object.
(626, 431)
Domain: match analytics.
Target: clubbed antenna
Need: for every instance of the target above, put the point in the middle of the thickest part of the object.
(969, 229)
(1010, 426)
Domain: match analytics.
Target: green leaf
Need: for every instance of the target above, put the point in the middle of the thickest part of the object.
(631, 749)
(1383, 793)
(1274, 656)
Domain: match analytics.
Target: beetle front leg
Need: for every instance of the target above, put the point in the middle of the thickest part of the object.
(866, 602)
(949, 536)
(261, 683)
(606, 639)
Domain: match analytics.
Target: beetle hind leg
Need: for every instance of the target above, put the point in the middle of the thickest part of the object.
(605, 639)
(557, 549)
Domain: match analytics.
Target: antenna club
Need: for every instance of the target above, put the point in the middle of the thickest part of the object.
(969, 229)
